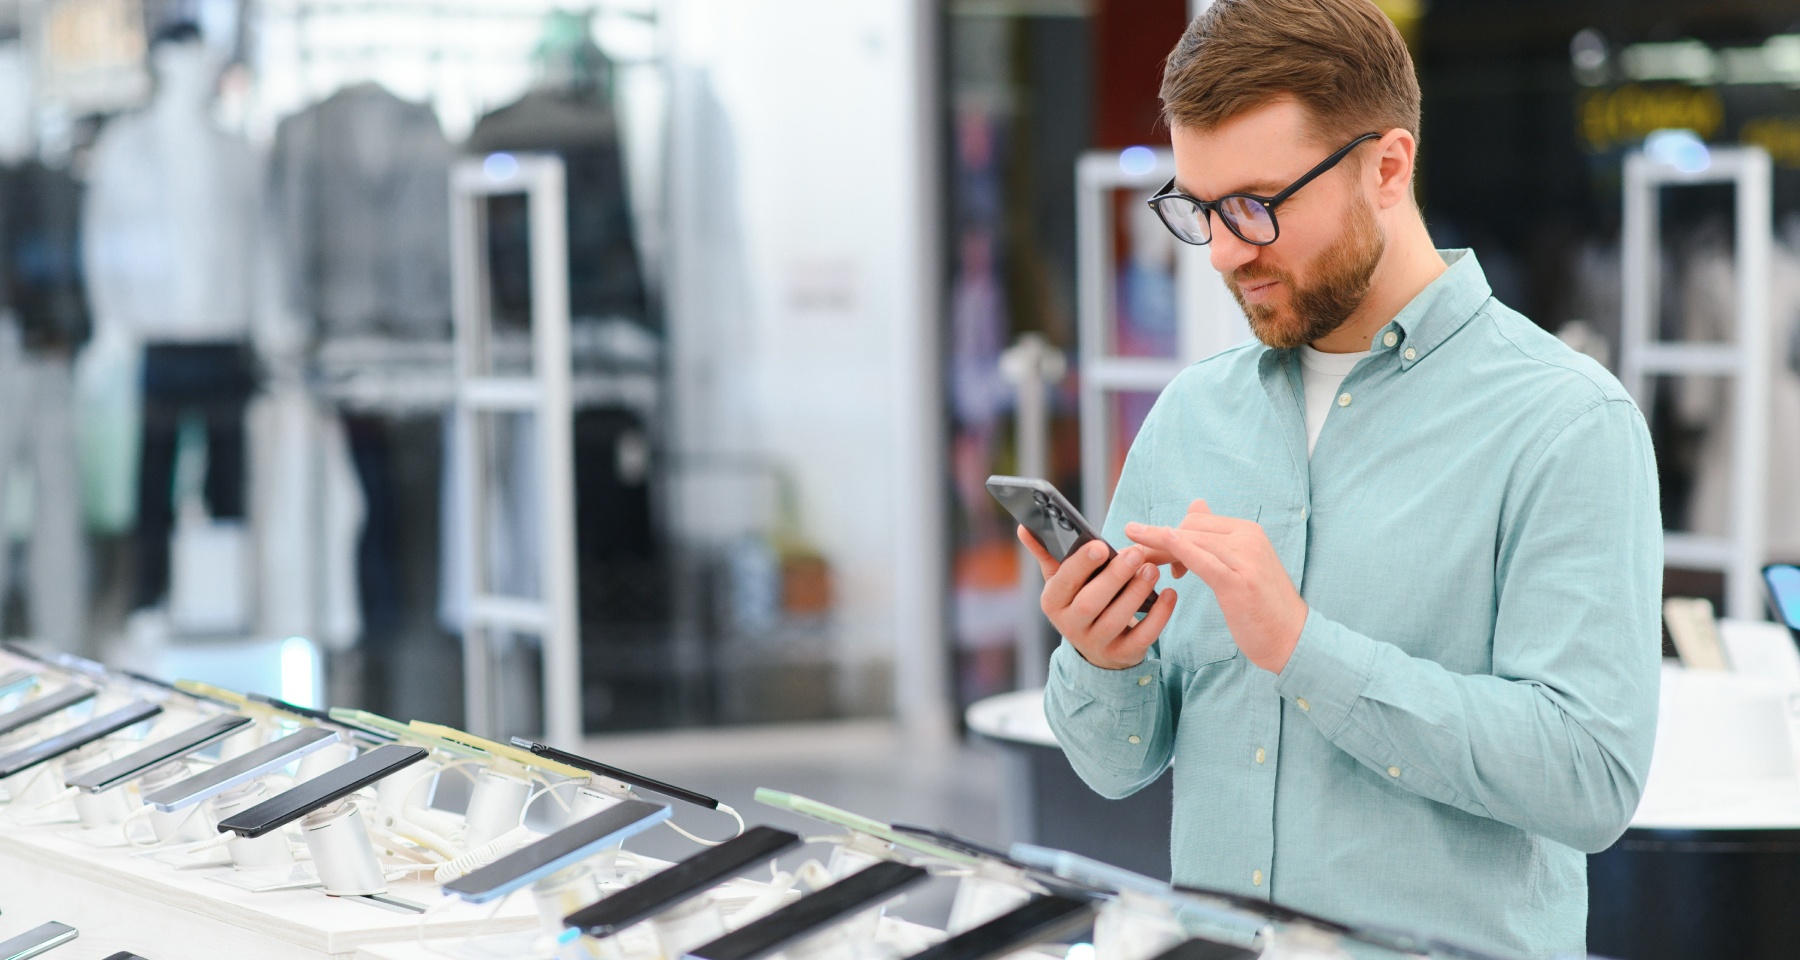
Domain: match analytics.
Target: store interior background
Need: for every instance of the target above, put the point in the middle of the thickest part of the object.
(802, 235)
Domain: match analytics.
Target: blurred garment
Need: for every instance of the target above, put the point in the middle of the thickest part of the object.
(168, 228)
(37, 432)
(605, 276)
(40, 278)
(212, 382)
(1709, 305)
(359, 200)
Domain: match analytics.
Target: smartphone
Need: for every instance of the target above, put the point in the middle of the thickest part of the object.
(565, 847)
(35, 941)
(336, 783)
(1087, 871)
(681, 882)
(623, 776)
(16, 681)
(951, 841)
(166, 750)
(241, 769)
(1783, 581)
(76, 737)
(1048, 516)
(1040, 920)
(838, 817)
(865, 888)
(1207, 950)
(401, 732)
(31, 711)
(504, 751)
(373, 737)
(126, 955)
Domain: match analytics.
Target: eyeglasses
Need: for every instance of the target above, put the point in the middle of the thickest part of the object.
(1249, 216)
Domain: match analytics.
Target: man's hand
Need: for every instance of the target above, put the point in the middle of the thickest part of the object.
(1262, 609)
(1097, 616)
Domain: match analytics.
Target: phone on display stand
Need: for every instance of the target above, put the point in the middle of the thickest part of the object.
(1207, 950)
(36, 941)
(565, 847)
(1783, 581)
(503, 751)
(623, 776)
(1039, 920)
(1050, 518)
(77, 737)
(166, 750)
(241, 769)
(15, 681)
(395, 730)
(681, 882)
(334, 784)
(31, 711)
(868, 887)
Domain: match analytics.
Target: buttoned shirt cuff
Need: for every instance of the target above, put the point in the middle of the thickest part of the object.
(1327, 672)
(1101, 684)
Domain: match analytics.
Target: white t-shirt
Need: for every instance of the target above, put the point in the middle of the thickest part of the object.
(1321, 374)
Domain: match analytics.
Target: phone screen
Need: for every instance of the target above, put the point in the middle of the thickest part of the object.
(764, 936)
(1040, 920)
(297, 802)
(36, 941)
(565, 847)
(76, 737)
(241, 769)
(1784, 592)
(690, 877)
(162, 751)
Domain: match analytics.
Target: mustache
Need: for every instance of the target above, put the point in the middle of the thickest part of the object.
(1249, 274)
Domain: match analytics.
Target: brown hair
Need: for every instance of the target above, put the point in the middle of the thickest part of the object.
(1343, 60)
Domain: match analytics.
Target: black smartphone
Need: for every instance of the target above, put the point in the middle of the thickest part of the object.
(36, 940)
(76, 737)
(166, 750)
(623, 776)
(1040, 920)
(240, 769)
(565, 847)
(336, 783)
(1207, 950)
(960, 844)
(1049, 516)
(126, 955)
(865, 888)
(681, 882)
(31, 711)
(15, 681)
(1783, 582)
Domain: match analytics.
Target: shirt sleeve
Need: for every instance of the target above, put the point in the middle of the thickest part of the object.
(1117, 727)
(1557, 740)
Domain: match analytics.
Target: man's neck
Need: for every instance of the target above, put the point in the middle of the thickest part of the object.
(1408, 267)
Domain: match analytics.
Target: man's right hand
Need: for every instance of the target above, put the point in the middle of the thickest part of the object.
(1098, 616)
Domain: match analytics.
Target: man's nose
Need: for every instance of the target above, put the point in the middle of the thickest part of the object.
(1227, 251)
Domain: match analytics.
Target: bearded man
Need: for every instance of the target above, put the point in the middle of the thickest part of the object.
(1406, 667)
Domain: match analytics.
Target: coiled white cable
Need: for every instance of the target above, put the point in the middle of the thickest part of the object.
(481, 856)
(723, 808)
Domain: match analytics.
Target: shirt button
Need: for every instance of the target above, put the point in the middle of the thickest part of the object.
(1133, 739)
(1303, 513)
(1143, 681)
(1301, 701)
(1411, 354)
(1390, 338)
(1393, 771)
(1256, 878)
(1343, 399)
(1259, 754)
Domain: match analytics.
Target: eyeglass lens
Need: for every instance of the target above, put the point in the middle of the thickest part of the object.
(1249, 219)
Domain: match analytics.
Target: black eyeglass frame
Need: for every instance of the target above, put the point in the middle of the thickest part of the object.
(1206, 207)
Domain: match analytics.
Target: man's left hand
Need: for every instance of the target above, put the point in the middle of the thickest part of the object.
(1234, 557)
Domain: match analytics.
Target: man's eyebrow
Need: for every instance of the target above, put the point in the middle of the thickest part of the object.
(1262, 188)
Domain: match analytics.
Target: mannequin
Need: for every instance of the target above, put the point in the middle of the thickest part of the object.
(169, 227)
(44, 323)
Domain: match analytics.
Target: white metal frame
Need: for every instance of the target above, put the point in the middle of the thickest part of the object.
(544, 394)
(1643, 355)
(1207, 317)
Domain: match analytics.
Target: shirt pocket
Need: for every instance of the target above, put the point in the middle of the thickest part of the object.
(1196, 634)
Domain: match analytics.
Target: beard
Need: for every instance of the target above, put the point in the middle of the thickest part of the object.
(1340, 279)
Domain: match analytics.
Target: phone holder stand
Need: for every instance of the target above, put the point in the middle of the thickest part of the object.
(1136, 926)
(187, 825)
(324, 760)
(855, 853)
(341, 852)
(495, 807)
(981, 898)
(696, 922)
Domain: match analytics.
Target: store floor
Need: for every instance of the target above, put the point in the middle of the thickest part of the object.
(869, 767)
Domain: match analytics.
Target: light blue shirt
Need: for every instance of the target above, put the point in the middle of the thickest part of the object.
(1472, 702)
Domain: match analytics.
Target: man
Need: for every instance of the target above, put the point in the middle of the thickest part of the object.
(1406, 672)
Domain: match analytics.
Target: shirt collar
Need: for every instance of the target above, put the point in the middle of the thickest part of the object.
(1432, 317)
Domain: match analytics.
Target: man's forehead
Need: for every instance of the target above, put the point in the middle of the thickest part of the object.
(1250, 153)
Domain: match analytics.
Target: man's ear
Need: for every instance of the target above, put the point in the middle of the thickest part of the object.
(1392, 167)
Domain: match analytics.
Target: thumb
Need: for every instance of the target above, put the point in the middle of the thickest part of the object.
(1199, 506)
